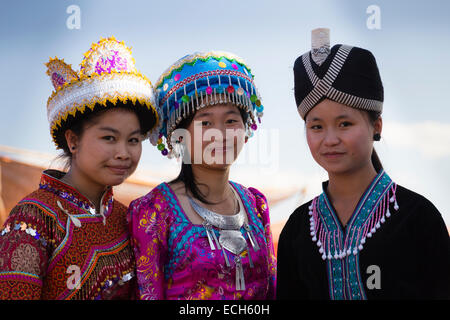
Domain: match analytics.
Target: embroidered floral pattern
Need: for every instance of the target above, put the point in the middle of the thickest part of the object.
(174, 258)
(25, 258)
(47, 233)
(111, 61)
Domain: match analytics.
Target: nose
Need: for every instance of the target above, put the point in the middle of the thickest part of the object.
(234, 136)
(331, 138)
(122, 152)
(216, 134)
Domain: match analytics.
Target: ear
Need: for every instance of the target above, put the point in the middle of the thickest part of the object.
(378, 125)
(72, 141)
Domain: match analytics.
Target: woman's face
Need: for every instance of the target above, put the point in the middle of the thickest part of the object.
(217, 136)
(109, 148)
(340, 137)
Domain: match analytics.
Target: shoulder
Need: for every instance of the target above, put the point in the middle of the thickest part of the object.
(298, 221)
(37, 205)
(412, 199)
(156, 195)
(253, 193)
(417, 208)
(255, 197)
(119, 211)
(119, 206)
(149, 216)
(301, 211)
(256, 200)
(157, 200)
(36, 216)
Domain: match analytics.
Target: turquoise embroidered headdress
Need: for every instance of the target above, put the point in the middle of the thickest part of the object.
(200, 80)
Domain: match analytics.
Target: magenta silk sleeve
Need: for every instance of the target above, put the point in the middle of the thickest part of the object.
(148, 231)
(263, 213)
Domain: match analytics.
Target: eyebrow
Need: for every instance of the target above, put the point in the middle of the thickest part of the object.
(206, 114)
(115, 131)
(109, 129)
(342, 116)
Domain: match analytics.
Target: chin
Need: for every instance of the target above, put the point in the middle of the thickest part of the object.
(222, 160)
(215, 166)
(114, 180)
(340, 171)
(335, 168)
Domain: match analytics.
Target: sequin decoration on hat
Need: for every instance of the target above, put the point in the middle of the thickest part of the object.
(107, 75)
(60, 73)
(200, 80)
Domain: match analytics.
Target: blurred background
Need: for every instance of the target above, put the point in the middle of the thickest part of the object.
(409, 40)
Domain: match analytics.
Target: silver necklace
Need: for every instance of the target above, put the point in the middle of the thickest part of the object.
(230, 236)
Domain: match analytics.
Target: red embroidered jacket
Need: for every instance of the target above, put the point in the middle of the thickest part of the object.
(55, 246)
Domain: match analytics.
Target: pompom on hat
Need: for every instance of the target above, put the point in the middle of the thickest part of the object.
(199, 80)
(344, 74)
(107, 75)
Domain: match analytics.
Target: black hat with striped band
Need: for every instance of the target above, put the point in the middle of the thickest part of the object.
(348, 75)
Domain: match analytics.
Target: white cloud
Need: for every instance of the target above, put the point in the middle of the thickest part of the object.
(430, 138)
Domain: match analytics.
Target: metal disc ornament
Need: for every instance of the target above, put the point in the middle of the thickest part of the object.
(233, 241)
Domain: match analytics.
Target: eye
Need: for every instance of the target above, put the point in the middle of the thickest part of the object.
(315, 127)
(231, 121)
(134, 140)
(345, 124)
(109, 138)
(205, 123)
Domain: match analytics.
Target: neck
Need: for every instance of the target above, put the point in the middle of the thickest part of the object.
(348, 186)
(213, 183)
(85, 186)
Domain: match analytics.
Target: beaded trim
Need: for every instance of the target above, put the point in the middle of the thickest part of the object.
(201, 80)
(199, 56)
(341, 248)
(114, 281)
(60, 189)
(22, 226)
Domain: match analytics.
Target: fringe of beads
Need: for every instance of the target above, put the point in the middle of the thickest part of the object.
(333, 245)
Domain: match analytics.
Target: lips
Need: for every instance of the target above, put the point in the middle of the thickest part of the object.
(333, 155)
(121, 170)
(219, 148)
(222, 149)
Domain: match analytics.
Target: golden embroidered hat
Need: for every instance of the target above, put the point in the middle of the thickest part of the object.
(107, 75)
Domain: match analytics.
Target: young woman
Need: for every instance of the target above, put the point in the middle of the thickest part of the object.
(202, 236)
(364, 237)
(69, 239)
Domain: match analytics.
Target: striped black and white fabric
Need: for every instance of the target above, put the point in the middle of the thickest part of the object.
(349, 76)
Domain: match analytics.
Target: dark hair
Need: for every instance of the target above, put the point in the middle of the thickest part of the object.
(376, 162)
(78, 125)
(186, 174)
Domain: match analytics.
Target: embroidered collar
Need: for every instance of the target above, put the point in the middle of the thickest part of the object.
(51, 181)
(228, 240)
(341, 247)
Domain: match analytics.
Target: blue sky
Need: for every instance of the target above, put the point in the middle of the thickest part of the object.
(411, 49)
